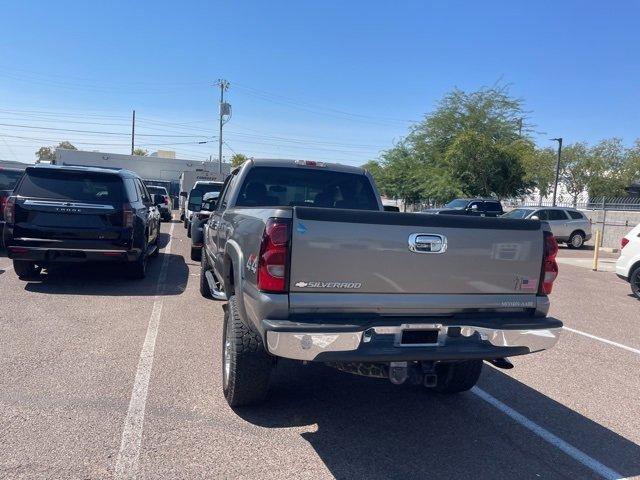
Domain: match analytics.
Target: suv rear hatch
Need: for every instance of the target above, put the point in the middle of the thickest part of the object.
(367, 261)
(54, 204)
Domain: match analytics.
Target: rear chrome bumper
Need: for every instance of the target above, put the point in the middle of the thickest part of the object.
(384, 343)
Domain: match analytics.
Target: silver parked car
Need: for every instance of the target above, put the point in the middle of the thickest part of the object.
(198, 220)
(568, 225)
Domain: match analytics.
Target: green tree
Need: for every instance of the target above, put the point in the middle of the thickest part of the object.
(471, 142)
(141, 152)
(606, 169)
(575, 169)
(540, 169)
(48, 154)
(238, 159)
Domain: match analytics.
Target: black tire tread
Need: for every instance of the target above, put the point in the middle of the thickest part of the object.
(251, 365)
(569, 242)
(25, 269)
(205, 291)
(632, 281)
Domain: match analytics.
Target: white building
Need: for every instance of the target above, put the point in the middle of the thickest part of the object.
(149, 168)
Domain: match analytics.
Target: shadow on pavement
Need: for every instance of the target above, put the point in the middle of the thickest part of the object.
(109, 279)
(368, 428)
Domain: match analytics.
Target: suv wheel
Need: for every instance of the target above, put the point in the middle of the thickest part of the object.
(634, 280)
(138, 269)
(205, 291)
(26, 270)
(246, 366)
(459, 376)
(576, 240)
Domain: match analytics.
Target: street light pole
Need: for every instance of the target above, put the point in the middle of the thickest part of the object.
(555, 185)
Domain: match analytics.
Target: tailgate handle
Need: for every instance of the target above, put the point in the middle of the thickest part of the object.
(427, 243)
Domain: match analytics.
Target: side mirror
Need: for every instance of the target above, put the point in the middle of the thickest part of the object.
(183, 194)
(209, 205)
(534, 217)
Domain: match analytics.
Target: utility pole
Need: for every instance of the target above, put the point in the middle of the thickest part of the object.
(225, 110)
(133, 131)
(520, 127)
(555, 185)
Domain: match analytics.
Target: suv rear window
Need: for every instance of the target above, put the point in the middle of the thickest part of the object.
(153, 190)
(575, 215)
(275, 187)
(493, 206)
(9, 179)
(72, 186)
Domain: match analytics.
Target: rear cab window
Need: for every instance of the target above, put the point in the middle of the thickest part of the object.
(196, 194)
(288, 187)
(89, 187)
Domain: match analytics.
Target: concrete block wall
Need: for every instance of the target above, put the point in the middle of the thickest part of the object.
(617, 225)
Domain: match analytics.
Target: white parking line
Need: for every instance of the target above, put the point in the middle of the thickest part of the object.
(604, 340)
(127, 461)
(547, 436)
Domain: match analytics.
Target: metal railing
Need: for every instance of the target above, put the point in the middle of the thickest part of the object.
(631, 204)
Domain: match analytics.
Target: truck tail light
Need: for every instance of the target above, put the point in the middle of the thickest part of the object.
(127, 216)
(274, 254)
(623, 242)
(8, 206)
(549, 264)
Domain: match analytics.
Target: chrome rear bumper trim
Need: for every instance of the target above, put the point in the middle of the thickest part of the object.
(300, 345)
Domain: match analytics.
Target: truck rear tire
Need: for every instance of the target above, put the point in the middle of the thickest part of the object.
(459, 376)
(25, 269)
(196, 254)
(246, 366)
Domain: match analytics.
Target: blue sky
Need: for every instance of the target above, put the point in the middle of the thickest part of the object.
(331, 80)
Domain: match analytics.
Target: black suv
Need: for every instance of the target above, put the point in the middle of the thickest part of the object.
(8, 179)
(479, 207)
(60, 214)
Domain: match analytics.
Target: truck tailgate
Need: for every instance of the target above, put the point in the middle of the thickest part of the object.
(365, 252)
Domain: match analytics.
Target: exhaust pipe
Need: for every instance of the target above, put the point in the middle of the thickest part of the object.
(503, 363)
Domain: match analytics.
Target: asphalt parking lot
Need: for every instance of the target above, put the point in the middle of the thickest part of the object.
(75, 403)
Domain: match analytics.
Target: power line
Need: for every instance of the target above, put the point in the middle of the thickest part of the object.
(93, 131)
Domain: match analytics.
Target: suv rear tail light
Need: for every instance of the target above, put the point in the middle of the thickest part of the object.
(127, 216)
(8, 206)
(549, 264)
(623, 242)
(273, 259)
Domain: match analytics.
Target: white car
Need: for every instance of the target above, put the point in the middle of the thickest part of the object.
(628, 264)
